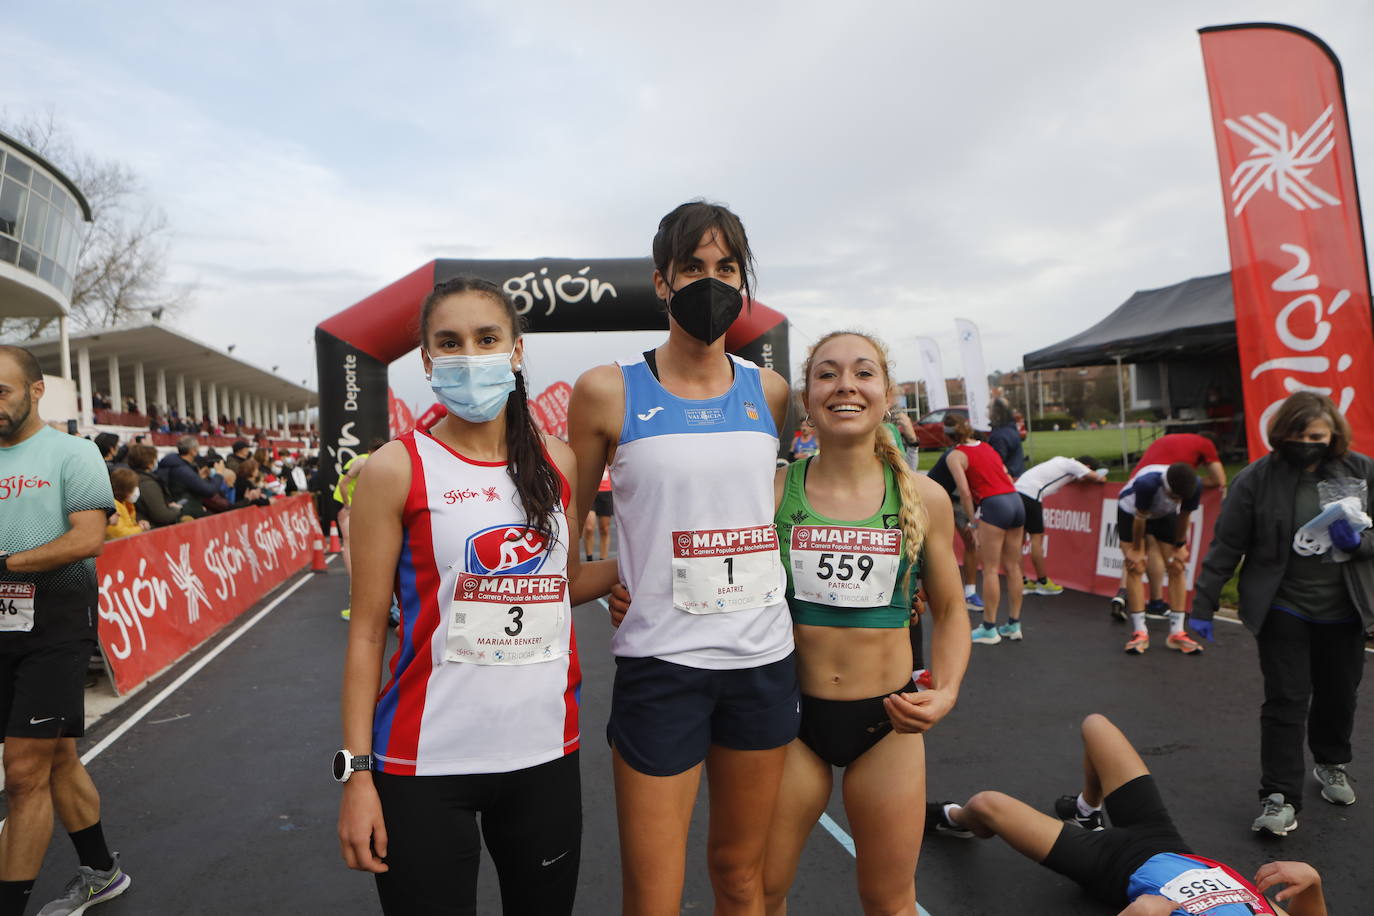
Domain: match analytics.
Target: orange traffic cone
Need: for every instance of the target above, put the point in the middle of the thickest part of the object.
(317, 564)
(334, 537)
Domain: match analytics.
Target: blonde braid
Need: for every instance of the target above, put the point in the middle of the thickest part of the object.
(912, 516)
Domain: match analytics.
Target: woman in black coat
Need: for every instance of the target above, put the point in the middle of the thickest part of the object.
(1309, 614)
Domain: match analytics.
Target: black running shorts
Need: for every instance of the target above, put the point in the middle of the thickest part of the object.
(665, 717)
(1163, 529)
(531, 822)
(43, 689)
(1102, 861)
(1035, 514)
(603, 504)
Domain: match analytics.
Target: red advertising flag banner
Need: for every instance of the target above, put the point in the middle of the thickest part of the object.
(551, 409)
(166, 591)
(399, 417)
(1298, 269)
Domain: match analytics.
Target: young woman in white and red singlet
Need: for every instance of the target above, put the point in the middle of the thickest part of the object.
(466, 525)
(983, 482)
(704, 666)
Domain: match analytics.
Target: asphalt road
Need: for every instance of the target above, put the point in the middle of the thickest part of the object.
(219, 799)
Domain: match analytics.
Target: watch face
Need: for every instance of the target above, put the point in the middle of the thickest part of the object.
(340, 765)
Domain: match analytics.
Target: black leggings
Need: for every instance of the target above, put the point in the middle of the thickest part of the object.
(532, 824)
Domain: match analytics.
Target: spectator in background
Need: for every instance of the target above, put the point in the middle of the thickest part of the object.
(1035, 486)
(108, 444)
(124, 483)
(1309, 615)
(804, 443)
(248, 485)
(1005, 437)
(343, 492)
(154, 502)
(240, 450)
(188, 484)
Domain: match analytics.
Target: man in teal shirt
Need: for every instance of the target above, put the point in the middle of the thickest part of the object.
(54, 498)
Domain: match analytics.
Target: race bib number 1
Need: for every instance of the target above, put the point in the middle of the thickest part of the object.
(845, 567)
(1201, 889)
(726, 569)
(506, 620)
(16, 606)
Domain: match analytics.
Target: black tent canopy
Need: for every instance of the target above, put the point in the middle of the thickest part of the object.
(1188, 319)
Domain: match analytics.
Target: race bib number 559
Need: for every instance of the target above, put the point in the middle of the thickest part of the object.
(845, 567)
(506, 620)
(726, 569)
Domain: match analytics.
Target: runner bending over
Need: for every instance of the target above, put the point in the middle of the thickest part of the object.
(1157, 502)
(1037, 485)
(983, 481)
(859, 532)
(468, 523)
(704, 664)
(1140, 861)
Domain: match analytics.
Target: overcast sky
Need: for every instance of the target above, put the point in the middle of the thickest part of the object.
(897, 164)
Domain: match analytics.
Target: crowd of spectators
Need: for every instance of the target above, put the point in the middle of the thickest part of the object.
(185, 484)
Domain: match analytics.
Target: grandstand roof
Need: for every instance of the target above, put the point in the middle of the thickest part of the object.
(160, 347)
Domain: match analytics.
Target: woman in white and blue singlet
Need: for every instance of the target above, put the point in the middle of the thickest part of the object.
(467, 526)
(704, 667)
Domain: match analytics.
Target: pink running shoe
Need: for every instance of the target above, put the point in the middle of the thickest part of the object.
(1138, 643)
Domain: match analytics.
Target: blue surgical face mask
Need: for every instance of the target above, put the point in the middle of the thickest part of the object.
(472, 387)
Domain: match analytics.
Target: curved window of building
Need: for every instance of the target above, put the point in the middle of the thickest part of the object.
(40, 223)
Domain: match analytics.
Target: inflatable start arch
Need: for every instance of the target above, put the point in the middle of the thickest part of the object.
(354, 347)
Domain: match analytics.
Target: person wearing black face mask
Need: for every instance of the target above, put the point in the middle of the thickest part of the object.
(1309, 615)
(705, 673)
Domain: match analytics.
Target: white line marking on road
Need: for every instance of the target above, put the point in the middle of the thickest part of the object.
(191, 672)
(844, 840)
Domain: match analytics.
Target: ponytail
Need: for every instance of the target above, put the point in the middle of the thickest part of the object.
(529, 465)
(912, 516)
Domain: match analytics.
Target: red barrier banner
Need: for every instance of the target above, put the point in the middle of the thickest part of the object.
(1082, 549)
(166, 591)
(1298, 270)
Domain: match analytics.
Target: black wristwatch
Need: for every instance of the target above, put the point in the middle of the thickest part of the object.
(346, 764)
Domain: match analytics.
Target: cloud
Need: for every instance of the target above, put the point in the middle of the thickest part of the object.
(900, 165)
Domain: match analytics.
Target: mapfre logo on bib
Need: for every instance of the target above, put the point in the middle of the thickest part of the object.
(513, 550)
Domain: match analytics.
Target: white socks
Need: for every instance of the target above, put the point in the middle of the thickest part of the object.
(1084, 808)
(1176, 622)
(1138, 621)
(969, 590)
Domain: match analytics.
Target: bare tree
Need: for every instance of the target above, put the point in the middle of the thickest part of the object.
(121, 262)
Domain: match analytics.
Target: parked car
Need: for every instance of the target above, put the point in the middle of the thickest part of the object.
(930, 429)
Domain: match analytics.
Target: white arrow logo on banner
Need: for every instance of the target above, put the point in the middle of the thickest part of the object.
(1281, 160)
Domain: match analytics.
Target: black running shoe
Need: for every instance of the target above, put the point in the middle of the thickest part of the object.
(936, 822)
(1119, 606)
(1066, 809)
(1156, 610)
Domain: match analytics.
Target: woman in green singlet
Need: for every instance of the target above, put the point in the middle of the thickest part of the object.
(859, 534)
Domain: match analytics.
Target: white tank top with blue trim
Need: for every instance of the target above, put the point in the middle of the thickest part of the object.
(693, 483)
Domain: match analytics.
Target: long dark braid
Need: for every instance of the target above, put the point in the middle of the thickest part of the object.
(530, 468)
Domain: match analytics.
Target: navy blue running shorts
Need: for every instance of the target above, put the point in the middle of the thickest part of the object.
(1163, 529)
(1003, 511)
(665, 717)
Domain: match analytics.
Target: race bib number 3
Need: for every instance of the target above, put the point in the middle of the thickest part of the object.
(506, 620)
(845, 567)
(1201, 889)
(16, 606)
(726, 569)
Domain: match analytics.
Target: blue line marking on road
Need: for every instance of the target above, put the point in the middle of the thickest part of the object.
(847, 842)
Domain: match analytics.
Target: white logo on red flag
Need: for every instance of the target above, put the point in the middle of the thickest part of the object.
(1281, 160)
